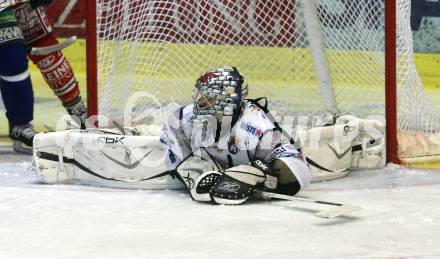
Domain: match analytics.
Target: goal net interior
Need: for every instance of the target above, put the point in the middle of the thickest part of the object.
(307, 57)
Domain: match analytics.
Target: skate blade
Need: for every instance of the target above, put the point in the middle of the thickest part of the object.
(21, 148)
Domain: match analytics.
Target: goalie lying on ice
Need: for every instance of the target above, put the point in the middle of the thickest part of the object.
(248, 148)
(221, 147)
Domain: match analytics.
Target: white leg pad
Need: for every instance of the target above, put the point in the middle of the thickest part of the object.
(100, 158)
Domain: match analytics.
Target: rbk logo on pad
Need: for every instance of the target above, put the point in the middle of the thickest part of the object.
(111, 140)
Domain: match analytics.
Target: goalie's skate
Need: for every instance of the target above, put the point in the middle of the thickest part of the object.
(22, 137)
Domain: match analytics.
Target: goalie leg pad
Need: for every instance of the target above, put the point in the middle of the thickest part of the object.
(102, 158)
(329, 150)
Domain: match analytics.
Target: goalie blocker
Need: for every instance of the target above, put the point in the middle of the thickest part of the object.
(107, 158)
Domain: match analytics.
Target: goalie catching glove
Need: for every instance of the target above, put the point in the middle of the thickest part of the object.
(237, 183)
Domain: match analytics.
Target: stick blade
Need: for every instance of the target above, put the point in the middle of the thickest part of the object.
(41, 51)
(335, 212)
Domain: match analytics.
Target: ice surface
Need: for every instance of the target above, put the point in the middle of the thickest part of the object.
(400, 217)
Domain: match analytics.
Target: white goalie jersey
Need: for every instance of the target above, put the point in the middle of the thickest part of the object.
(253, 136)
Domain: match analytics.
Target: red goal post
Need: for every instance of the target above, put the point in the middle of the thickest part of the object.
(390, 82)
(91, 56)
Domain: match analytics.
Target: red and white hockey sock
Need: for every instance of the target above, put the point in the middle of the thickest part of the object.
(57, 72)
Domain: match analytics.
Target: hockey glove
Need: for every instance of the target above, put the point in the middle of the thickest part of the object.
(38, 3)
(271, 180)
(237, 183)
(203, 185)
(198, 184)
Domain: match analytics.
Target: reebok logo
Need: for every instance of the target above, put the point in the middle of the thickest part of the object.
(229, 187)
(261, 165)
(111, 140)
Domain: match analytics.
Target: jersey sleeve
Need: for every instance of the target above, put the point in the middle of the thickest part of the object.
(177, 144)
(274, 147)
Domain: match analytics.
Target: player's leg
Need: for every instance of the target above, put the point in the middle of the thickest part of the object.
(59, 75)
(54, 67)
(15, 84)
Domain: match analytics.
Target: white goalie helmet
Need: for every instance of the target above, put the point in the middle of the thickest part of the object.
(219, 92)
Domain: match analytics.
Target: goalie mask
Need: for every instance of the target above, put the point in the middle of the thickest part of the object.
(219, 92)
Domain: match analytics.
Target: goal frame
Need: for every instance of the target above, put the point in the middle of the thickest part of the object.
(390, 73)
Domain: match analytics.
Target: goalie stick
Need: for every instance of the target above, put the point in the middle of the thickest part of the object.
(340, 209)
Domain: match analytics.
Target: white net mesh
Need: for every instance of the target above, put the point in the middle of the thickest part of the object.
(161, 47)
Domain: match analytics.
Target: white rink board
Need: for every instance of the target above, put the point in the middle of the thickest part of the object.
(400, 217)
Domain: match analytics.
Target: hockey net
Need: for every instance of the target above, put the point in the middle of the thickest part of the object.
(307, 59)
